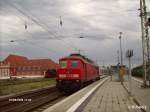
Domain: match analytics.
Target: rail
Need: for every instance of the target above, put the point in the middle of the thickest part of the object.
(29, 100)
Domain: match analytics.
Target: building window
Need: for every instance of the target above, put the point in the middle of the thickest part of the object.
(23, 68)
(34, 67)
(29, 68)
(19, 68)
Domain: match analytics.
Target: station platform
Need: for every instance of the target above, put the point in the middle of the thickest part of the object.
(142, 95)
(73, 101)
(111, 97)
(106, 95)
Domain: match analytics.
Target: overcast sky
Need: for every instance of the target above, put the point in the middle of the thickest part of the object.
(99, 21)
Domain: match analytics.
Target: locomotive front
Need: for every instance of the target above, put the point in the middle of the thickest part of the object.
(69, 74)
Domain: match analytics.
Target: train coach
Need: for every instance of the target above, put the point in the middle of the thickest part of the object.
(50, 73)
(75, 71)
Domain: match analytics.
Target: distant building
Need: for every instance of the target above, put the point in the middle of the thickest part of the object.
(115, 68)
(20, 66)
(103, 70)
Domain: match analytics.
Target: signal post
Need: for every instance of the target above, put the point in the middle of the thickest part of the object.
(129, 54)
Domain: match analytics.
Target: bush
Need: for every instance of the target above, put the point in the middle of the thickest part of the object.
(138, 72)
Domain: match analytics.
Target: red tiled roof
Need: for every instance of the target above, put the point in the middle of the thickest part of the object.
(16, 60)
(45, 63)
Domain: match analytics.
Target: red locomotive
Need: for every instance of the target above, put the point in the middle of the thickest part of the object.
(75, 70)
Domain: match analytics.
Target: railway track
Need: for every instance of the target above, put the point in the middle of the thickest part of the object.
(30, 100)
(43, 107)
(33, 101)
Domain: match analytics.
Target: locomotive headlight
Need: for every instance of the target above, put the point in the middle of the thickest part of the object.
(75, 75)
(62, 75)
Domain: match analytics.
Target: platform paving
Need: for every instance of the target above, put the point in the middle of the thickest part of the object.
(142, 95)
(111, 97)
(67, 103)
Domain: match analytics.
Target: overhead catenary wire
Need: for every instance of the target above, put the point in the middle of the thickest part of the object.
(38, 22)
(25, 40)
(41, 25)
(31, 43)
(34, 20)
(40, 49)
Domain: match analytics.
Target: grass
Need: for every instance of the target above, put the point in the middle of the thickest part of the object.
(8, 87)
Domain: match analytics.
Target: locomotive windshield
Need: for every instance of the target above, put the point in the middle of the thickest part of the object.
(74, 64)
(63, 64)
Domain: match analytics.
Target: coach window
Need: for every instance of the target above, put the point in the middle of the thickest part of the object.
(74, 64)
(63, 64)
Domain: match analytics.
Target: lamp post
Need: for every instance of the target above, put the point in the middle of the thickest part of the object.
(120, 36)
(121, 60)
(118, 58)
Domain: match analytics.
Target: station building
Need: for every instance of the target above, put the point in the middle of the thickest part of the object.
(20, 67)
